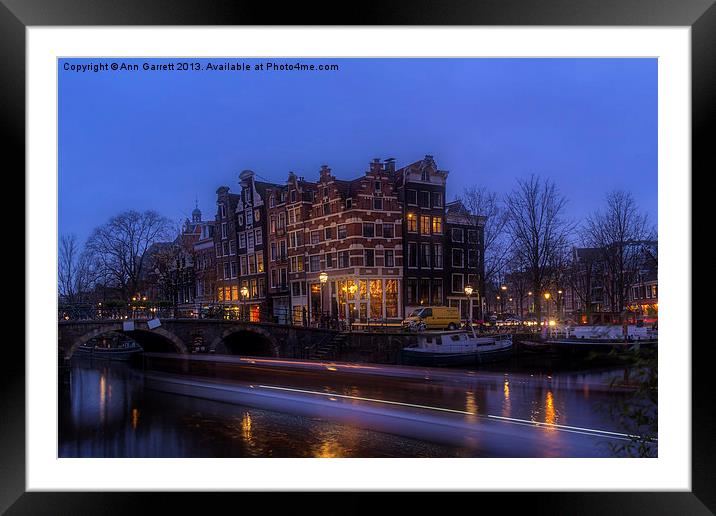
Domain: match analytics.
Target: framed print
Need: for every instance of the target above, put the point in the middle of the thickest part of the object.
(416, 250)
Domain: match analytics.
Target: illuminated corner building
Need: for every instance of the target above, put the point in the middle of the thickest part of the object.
(353, 235)
(204, 263)
(225, 245)
(421, 187)
(277, 244)
(251, 215)
(464, 259)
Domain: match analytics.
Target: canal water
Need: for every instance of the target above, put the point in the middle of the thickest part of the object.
(106, 409)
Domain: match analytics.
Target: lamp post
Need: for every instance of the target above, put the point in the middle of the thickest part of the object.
(560, 307)
(323, 278)
(244, 296)
(468, 293)
(547, 295)
(502, 304)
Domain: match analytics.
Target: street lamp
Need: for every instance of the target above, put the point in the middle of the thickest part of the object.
(468, 293)
(323, 278)
(244, 295)
(547, 295)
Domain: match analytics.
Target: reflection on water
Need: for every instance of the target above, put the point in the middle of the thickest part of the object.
(105, 411)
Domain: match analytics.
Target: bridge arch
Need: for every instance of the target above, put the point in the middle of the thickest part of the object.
(245, 340)
(158, 339)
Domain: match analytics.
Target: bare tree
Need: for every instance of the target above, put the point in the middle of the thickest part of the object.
(119, 247)
(538, 230)
(75, 271)
(484, 203)
(620, 232)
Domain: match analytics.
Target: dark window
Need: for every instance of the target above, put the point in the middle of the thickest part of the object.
(389, 258)
(412, 254)
(326, 208)
(377, 186)
(412, 287)
(412, 196)
(425, 255)
(369, 258)
(342, 232)
(456, 235)
(388, 231)
(368, 229)
(349, 204)
(343, 259)
(328, 233)
(293, 195)
(424, 199)
(329, 260)
(377, 203)
(472, 236)
(425, 294)
(457, 258)
(457, 283)
(437, 292)
(437, 200)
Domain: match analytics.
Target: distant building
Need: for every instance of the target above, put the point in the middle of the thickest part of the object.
(465, 265)
(421, 187)
(225, 245)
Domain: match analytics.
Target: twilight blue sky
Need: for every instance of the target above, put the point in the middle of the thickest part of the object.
(157, 140)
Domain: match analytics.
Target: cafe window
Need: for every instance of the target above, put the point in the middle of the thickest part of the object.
(391, 298)
(376, 299)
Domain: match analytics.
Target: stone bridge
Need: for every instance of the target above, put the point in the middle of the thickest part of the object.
(203, 335)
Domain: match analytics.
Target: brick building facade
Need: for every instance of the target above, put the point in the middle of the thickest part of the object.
(379, 242)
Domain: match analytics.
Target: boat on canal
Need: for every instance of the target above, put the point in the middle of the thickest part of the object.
(114, 347)
(456, 348)
(595, 339)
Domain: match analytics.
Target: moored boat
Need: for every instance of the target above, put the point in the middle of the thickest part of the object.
(107, 353)
(596, 338)
(456, 348)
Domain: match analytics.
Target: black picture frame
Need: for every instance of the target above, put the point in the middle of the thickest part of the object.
(16, 15)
